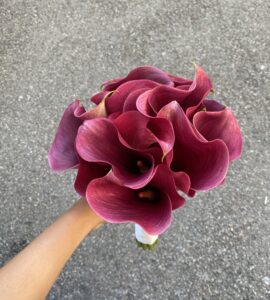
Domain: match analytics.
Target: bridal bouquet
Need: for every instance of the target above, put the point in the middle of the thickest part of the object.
(151, 139)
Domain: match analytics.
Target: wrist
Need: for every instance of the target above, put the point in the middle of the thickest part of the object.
(81, 212)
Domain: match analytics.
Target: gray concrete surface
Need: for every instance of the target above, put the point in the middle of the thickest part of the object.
(53, 51)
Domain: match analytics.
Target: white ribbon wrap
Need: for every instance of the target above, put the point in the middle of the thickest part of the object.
(143, 237)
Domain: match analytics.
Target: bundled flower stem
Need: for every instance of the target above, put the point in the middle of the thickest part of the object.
(144, 239)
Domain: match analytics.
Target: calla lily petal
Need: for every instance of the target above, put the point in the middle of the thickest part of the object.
(115, 102)
(220, 125)
(180, 81)
(62, 154)
(182, 181)
(143, 105)
(206, 163)
(139, 132)
(163, 132)
(192, 192)
(199, 89)
(143, 72)
(98, 141)
(98, 97)
(205, 105)
(87, 172)
(130, 103)
(119, 204)
(189, 97)
(212, 105)
(164, 181)
(133, 130)
(97, 112)
(163, 95)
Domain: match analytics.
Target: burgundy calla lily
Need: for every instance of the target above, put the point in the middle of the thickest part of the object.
(62, 154)
(206, 163)
(143, 72)
(98, 141)
(151, 206)
(188, 96)
(87, 171)
(140, 133)
(219, 122)
(148, 89)
(116, 101)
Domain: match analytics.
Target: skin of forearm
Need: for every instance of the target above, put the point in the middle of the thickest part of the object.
(31, 273)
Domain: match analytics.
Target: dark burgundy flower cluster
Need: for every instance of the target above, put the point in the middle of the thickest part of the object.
(150, 136)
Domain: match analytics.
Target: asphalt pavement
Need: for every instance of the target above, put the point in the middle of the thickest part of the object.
(51, 52)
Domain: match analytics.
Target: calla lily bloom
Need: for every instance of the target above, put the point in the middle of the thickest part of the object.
(140, 133)
(150, 207)
(188, 96)
(125, 96)
(148, 89)
(127, 89)
(132, 152)
(62, 154)
(205, 162)
(116, 102)
(87, 171)
(98, 141)
(219, 122)
(143, 72)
